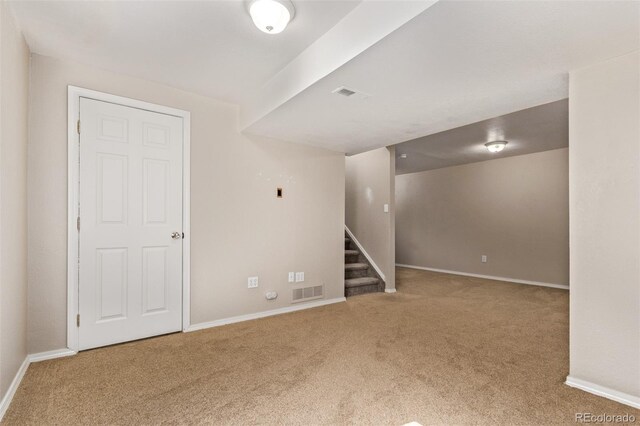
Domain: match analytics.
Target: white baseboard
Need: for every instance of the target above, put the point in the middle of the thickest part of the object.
(13, 387)
(263, 314)
(364, 252)
(488, 277)
(621, 397)
(43, 356)
(389, 290)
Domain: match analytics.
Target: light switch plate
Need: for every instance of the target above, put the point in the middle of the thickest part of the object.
(484, 258)
(299, 277)
(292, 277)
(252, 282)
(386, 208)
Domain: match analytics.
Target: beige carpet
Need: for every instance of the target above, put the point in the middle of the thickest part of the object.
(444, 350)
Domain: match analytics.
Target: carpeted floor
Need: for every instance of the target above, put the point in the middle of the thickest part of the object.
(445, 349)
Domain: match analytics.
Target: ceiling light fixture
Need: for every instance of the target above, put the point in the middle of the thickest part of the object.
(403, 155)
(496, 146)
(271, 16)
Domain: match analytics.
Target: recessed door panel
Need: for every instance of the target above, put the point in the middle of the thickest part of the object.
(111, 188)
(156, 136)
(155, 195)
(113, 129)
(155, 279)
(111, 280)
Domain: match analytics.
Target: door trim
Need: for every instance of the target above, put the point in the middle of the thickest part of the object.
(73, 237)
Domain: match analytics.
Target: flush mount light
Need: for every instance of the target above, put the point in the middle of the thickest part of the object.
(496, 146)
(403, 155)
(271, 16)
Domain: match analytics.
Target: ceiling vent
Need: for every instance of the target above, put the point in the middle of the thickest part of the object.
(346, 92)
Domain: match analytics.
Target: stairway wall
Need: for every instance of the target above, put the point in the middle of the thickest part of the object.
(369, 185)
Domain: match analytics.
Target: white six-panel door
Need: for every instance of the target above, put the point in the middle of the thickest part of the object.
(130, 208)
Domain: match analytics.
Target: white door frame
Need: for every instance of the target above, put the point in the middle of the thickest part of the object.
(73, 236)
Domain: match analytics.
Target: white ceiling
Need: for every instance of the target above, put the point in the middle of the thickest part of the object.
(208, 47)
(429, 67)
(457, 63)
(541, 128)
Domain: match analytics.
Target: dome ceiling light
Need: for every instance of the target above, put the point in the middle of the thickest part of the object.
(271, 16)
(496, 146)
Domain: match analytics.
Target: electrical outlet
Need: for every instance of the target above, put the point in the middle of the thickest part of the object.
(252, 282)
(299, 277)
(484, 258)
(292, 277)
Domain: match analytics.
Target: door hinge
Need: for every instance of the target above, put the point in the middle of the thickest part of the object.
(78, 126)
(78, 224)
(78, 320)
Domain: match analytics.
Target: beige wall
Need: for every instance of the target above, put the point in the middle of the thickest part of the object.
(513, 210)
(369, 185)
(239, 228)
(604, 129)
(14, 81)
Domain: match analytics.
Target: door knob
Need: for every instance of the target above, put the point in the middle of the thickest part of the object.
(176, 235)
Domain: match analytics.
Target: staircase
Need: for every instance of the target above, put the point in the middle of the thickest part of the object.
(359, 276)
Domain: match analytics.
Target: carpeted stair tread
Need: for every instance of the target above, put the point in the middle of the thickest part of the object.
(359, 276)
(358, 282)
(355, 266)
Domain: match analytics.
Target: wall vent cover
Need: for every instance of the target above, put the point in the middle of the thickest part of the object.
(303, 294)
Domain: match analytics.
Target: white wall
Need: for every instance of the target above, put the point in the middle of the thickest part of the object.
(604, 176)
(14, 80)
(239, 228)
(370, 180)
(514, 210)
